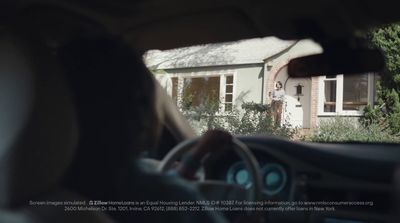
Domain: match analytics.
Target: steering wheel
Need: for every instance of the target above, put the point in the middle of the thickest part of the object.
(218, 190)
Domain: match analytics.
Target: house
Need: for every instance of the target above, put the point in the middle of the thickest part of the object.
(247, 71)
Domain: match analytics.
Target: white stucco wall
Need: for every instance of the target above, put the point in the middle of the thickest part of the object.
(297, 109)
(248, 84)
(304, 48)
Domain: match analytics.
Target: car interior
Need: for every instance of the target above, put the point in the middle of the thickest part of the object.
(63, 59)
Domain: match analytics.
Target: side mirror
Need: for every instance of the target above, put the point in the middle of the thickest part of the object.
(332, 62)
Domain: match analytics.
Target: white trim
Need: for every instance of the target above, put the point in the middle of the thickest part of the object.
(333, 114)
(223, 90)
(339, 96)
(222, 83)
(214, 73)
(321, 95)
(371, 88)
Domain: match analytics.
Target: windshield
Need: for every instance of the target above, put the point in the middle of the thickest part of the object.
(243, 87)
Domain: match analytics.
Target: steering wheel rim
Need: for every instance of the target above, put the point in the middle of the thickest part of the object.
(241, 150)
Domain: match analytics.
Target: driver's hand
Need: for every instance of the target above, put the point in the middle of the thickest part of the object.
(212, 141)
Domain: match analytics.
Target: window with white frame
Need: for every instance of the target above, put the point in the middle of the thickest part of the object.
(228, 100)
(355, 92)
(194, 90)
(346, 94)
(330, 93)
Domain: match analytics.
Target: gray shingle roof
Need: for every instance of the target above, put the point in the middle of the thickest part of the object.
(250, 51)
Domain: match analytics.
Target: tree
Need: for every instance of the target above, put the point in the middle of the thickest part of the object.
(387, 110)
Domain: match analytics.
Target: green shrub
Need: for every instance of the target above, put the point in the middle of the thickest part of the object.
(257, 119)
(253, 119)
(387, 109)
(350, 130)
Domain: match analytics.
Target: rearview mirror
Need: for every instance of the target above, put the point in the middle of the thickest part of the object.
(344, 61)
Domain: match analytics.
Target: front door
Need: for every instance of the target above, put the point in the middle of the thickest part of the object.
(298, 102)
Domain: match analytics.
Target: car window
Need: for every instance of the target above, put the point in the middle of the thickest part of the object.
(244, 88)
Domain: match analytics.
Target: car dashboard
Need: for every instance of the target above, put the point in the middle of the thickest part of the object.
(328, 183)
